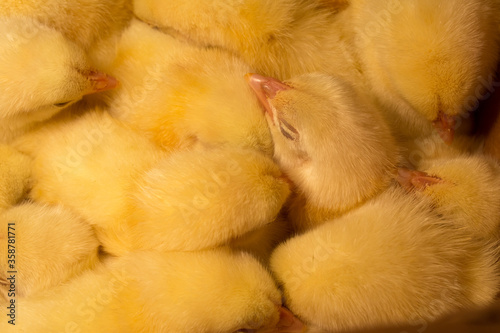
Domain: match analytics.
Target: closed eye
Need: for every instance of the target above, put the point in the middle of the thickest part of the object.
(61, 105)
(288, 130)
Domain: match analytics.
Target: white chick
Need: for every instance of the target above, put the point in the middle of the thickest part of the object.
(47, 245)
(41, 73)
(281, 38)
(428, 63)
(194, 200)
(15, 175)
(464, 187)
(210, 291)
(391, 261)
(85, 22)
(348, 158)
(179, 95)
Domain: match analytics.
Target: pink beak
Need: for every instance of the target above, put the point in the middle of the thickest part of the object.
(100, 82)
(445, 125)
(265, 88)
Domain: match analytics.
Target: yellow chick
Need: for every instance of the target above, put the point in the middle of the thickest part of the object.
(15, 175)
(41, 73)
(89, 164)
(391, 261)
(179, 95)
(464, 187)
(331, 142)
(193, 200)
(140, 197)
(281, 38)
(427, 63)
(83, 21)
(44, 246)
(210, 291)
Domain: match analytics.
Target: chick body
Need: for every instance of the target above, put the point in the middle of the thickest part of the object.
(47, 246)
(89, 164)
(210, 291)
(391, 261)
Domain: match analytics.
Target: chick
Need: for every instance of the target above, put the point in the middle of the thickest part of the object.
(15, 174)
(138, 196)
(89, 163)
(331, 142)
(85, 22)
(47, 245)
(194, 200)
(209, 291)
(181, 96)
(427, 63)
(391, 261)
(466, 188)
(281, 38)
(38, 84)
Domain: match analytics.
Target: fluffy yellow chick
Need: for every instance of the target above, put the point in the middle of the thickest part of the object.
(193, 200)
(15, 175)
(139, 197)
(179, 95)
(89, 164)
(212, 291)
(44, 246)
(41, 73)
(391, 261)
(466, 188)
(427, 63)
(331, 142)
(281, 38)
(83, 21)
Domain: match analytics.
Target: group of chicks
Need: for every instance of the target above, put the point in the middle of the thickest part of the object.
(155, 185)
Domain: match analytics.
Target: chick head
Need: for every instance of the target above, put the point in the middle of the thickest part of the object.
(41, 72)
(328, 140)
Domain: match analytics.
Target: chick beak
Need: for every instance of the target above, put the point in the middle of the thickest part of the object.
(416, 180)
(265, 89)
(445, 125)
(287, 323)
(100, 82)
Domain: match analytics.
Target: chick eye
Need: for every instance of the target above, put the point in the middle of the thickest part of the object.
(288, 130)
(61, 105)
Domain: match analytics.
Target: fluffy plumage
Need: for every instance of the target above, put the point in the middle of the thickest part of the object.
(331, 142)
(89, 164)
(179, 95)
(281, 38)
(391, 261)
(427, 63)
(41, 73)
(212, 291)
(52, 244)
(83, 21)
(140, 197)
(15, 173)
(193, 200)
